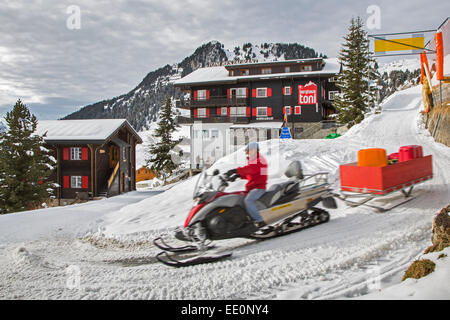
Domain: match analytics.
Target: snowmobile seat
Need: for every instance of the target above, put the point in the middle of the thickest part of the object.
(271, 196)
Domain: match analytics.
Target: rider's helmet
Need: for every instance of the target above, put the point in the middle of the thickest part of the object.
(252, 146)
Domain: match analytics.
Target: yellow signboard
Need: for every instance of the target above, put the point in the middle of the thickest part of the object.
(415, 43)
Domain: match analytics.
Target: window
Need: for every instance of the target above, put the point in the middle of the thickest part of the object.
(214, 133)
(205, 133)
(201, 112)
(261, 92)
(287, 91)
(266, 70)
(75, 153)
(332, 79)
(238, 111)
(201, 94)
(223, 111)
(239, 92)
(287, 69)
(196, 134)
(231, 73)
(287, 110)
(307, 68)
(245, 72)
(331, 94)
(75, 182)
(261, 111)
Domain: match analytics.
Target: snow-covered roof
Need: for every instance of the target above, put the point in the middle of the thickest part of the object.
(81, 130)
(220, 74)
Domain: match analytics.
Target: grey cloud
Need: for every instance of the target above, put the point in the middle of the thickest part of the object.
(121, 41)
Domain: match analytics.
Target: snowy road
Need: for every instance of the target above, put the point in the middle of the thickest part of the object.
(358, 251)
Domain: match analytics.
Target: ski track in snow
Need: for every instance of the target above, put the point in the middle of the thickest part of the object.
(357, 252)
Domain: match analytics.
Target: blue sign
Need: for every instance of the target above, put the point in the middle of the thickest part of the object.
(285, 133)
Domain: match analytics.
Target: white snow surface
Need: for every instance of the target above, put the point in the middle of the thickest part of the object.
(359, 253)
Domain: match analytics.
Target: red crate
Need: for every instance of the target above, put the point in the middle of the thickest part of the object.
(406, 153)
(383, 180)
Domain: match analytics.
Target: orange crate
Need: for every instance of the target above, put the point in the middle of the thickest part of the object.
(374, 157)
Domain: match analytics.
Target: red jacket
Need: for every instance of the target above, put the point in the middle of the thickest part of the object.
(255, 172)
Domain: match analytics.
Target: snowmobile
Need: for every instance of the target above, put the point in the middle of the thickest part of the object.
(217, 215)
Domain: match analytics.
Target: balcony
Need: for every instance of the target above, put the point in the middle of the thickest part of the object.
(216, 101)
(214, 119)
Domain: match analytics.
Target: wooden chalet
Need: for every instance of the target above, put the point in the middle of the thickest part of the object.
(236, 101)
(245, 93)
(95, 157)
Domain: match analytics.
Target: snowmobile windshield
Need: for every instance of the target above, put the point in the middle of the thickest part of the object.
(206, 182)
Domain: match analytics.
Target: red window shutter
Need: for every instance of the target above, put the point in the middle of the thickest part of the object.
(195, 94)
(207, 112)
(207, 94)
(228, 93)
(85, 182)
(298, 110)
(195, 113)
(269, 92)
(284, 90)
(228, 112)
(254, 110)
(248, 112)
(66, 154)
(84, 153)
(269, 111)
(246, 92)
(219, 110)
(66, 182)
(254, 93)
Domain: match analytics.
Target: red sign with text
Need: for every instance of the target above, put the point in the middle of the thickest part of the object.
(307, 94)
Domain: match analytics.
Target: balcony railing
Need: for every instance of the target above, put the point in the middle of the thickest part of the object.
(215, 101)
(214, 119)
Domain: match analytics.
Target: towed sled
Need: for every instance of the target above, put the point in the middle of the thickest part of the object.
(377, 186)
(216, 215)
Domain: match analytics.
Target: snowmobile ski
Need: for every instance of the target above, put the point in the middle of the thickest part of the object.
(172, 260)
(161, 244)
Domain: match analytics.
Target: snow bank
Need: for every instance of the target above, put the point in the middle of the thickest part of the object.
(436, 285)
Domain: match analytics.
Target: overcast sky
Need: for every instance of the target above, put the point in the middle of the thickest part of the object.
(56, 67)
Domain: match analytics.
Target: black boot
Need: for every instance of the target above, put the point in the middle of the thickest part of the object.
(259, 224)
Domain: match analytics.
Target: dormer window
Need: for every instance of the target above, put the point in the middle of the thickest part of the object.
(266, 70)
(245, 72)
(231, 73)
(287, 69)
(307, 68)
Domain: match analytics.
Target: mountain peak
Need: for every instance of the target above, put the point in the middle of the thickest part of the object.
(141, 105)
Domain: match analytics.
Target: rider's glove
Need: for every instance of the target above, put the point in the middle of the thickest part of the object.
(229, 173)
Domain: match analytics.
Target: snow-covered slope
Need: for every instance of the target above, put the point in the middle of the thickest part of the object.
(358, 251)
(401, 65)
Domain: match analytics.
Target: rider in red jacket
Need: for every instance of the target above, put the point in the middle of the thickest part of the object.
(256, 174)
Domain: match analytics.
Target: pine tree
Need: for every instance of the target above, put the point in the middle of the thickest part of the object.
(162, 151)
(358, 69)
(25, 164)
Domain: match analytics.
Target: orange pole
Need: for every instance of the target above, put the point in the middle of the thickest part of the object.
(439, 55)
(422, 71)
